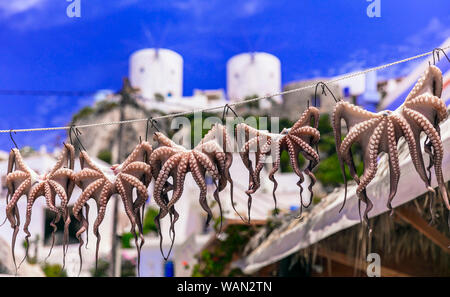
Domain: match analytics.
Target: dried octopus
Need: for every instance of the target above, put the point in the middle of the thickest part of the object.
(422, 111)
(22, 180)
(100, 183)
(212, 155)
(299, 139)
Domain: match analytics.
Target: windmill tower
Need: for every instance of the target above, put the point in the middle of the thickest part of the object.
(253, 74)
(158, 73)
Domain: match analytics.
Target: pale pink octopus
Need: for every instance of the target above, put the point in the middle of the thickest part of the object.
(422, 111)
(22, 180)
(212, 155)
(300, 139)
(100, 183)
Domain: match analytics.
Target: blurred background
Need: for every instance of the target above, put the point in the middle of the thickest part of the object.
(82, 62)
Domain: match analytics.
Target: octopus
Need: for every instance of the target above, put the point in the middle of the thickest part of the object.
(212, 156)
(422, 111)
(299, 139)
(100, 183)
(22, 180)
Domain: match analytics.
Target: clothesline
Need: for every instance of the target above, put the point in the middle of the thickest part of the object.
(221, 107)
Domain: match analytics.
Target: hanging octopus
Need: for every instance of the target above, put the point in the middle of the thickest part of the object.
(212, 155)
(299, 139)
(22, 180)
(100, 183)
(422, 111)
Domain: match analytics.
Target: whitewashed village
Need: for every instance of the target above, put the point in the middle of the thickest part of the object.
(156, 77)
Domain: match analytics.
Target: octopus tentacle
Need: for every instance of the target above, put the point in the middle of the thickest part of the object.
(309, 153)
(135, 182)
(306, 117)
(260, 161)
(307, 131)
(87, 173)
(35, 192)
(125, 194)
(414, 148)
(394, 167)
(436, 142)
(181, 175)
(199, 178)
(275, 167)
(352, 115)
(293, 157)
(246, 158)
(101, 211)
(137, 165)
(13, 202)
(371, 169)
(208, 164)
(85, 196)
(49, 195)
(82, 200)
(161, 181)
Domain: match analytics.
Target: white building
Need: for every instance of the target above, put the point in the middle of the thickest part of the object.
(157, 72)
(253, 74)
(40, 239)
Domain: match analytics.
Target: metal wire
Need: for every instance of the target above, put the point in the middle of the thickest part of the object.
(237, 103)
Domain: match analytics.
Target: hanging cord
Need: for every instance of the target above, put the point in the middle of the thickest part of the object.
(237, 103)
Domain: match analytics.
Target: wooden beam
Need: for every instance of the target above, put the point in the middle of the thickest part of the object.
(410, 215)
(352, 262)
(240, 222)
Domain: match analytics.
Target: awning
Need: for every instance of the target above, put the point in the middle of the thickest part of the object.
(395, 99)
(324, 219)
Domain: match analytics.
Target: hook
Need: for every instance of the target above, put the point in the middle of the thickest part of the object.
(10, 135)
(226, 108)
(436, 51)
(323, 85)
(76, 133)
(154, 125)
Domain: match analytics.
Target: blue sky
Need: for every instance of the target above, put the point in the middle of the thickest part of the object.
(43, 49)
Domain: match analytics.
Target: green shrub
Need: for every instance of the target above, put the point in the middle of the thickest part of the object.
(102, 269)
(149, 225)
(53, 270)
(84, 112)
(105, 156)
